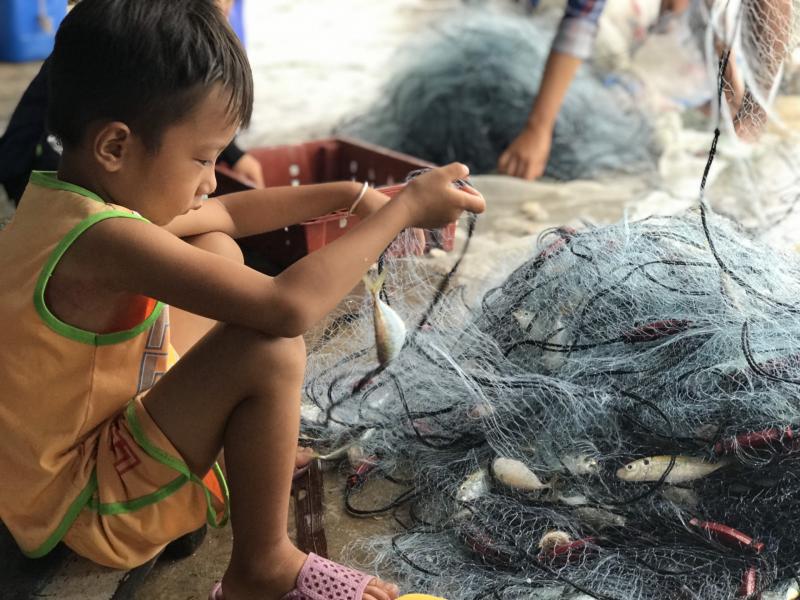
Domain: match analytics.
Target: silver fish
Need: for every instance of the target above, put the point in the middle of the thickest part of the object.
(792, 591)
(344, 450)
(732, 292)
(599, 518)
(786, 590)
(575, 500)
(516, 474)
(390, 330)
(580, 464)
(686, 468)
(474, 486)
(356, 455)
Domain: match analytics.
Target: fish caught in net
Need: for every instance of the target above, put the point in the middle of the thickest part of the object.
(621, 417)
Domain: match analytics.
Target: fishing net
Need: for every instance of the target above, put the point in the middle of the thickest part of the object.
(618, 415)
(463, 90)
(668, 337)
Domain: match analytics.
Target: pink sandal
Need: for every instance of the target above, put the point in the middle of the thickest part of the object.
(320, 579)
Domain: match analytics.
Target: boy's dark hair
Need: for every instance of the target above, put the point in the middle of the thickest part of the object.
(147, 63)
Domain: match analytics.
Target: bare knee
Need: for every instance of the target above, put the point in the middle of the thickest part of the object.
(218, 243)
(261, 356)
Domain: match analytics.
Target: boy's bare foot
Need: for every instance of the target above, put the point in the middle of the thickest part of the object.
(277, 578)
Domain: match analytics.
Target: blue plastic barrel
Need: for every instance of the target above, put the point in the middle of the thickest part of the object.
(237, 19)
(28, 28)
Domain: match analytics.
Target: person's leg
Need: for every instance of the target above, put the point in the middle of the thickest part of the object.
(186, 328)
(240, 390)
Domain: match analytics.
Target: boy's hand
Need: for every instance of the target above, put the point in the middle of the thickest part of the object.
(433, 201)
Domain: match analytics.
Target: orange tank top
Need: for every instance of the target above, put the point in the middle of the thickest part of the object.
(58, 383)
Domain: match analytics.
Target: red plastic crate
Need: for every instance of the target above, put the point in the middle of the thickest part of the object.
(335, 159)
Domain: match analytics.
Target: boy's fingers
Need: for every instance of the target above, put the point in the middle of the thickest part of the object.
(473, 202)
(455, 171)
(521, 168)
(470, 190)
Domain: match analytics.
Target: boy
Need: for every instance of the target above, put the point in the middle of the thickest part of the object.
(103, 447)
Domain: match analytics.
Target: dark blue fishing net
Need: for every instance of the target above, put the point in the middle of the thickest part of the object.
(463, 90)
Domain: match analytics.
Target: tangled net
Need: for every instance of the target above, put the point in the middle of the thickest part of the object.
(618, 419)
(463, 90)
(669, 337)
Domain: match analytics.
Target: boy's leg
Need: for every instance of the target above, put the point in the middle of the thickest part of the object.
(186, 328)
(240, 389)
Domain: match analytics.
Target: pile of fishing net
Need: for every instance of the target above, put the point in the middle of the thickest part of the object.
(619, 418)
(462, 91)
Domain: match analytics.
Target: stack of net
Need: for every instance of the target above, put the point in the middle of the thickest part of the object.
(674, 336)
(670, 342)
(463, 91)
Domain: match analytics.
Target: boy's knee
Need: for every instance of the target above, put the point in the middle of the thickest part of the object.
(289, 353)
(269, 354)
(218, 243)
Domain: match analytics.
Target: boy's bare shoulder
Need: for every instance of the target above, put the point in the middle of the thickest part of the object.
(81, 291)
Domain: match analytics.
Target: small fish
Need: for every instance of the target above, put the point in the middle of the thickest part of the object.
(523, 317)
(515, 474)
(554, 538)
(580, 464)
(599, 518)
(792, 591)
(474, 486)
(732, 292)
(390, 330)
(481, 410)
(785, 590)
(681, 496)
(335, 454)
(356, 455)
(686, 468)
(345, 450)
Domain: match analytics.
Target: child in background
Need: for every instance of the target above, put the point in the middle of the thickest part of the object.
(104, 448)
(527, 155)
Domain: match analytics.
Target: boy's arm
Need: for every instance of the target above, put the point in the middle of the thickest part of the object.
(255, 211)
(138, 257)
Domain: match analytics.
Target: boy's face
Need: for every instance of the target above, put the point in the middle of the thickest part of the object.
(175, 179)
